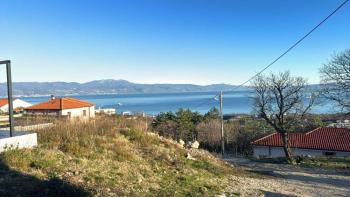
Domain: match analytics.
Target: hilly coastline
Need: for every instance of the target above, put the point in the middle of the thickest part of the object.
(108, 86)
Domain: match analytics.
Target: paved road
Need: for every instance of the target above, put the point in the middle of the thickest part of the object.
(286, 180)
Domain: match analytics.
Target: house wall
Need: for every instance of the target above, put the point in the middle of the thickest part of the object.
(74, 113)
(17, 103)
(79, 112)
(266, 151)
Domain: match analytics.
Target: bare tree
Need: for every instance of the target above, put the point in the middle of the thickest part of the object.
(282, 101)
(335, 76)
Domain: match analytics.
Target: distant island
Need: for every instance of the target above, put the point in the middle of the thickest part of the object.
(107, 86)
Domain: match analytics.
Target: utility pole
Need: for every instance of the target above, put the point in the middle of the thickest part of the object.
(146, 122)
(9, 94)
(222, 127)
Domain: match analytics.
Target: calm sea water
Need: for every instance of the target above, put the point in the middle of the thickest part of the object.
(152, 104)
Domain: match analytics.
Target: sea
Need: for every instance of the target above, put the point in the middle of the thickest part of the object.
(234, 102)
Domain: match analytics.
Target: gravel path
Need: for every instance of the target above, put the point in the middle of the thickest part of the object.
(284, 180)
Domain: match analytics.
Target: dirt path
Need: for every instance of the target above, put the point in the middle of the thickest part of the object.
(285, 180)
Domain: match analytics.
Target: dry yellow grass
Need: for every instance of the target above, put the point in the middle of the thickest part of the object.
(99, 158)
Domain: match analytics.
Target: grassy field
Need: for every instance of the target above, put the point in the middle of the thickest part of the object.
(100, 159)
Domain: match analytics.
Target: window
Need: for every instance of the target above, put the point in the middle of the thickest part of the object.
(69, 114)
(84, 112)
(328, 153)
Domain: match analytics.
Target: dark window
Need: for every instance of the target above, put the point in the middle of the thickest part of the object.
(69, 114)
(328, 153)
(84, 112)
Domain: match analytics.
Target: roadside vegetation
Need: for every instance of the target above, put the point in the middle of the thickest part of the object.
(312, 162)
(326, 162)
(240, 130)
(100, 158)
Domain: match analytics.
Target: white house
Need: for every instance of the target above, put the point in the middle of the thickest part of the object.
(17, 105)
(67, 107)
(108, 111)
(324, 141)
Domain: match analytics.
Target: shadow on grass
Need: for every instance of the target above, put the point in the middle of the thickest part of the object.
(13, 183)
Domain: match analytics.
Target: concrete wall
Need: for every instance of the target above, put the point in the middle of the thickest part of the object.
(42, 112)
(21, 141)
(5, 118)
(266, 151)
(79, 112)
(29, 127)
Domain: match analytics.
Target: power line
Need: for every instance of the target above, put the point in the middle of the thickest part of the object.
(207, 100)
(289, 49)
(295, 44)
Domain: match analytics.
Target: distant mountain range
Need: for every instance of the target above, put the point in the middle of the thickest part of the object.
(108, 86)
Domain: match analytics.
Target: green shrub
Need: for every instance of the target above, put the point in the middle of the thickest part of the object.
(141, 138)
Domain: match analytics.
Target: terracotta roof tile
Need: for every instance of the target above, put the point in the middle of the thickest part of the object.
(4, 101)
(60, 103)
(324, 138)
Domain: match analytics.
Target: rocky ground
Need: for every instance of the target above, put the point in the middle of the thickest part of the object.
(286, 180)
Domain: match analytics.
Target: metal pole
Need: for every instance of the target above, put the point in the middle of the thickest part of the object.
(222, 127)
(9, 94)
(10, 99)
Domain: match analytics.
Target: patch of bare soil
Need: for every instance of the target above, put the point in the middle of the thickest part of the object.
(282, 180)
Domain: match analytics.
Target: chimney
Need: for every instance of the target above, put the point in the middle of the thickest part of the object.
(53, 97)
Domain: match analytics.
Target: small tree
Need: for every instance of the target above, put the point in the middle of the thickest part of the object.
(212, 114)
(178, 125)
(280, 101)
(209, 134)
(186, 122)
(165, 125)
(335, 76)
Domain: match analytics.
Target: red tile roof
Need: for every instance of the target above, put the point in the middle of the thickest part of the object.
(324, 138)
(4, 101)
(60, 103)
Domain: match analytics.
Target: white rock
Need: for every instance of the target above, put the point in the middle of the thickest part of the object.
(195, 145)
(181, 142)
(188, 156)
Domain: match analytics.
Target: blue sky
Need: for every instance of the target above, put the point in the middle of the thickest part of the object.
(163, 41)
